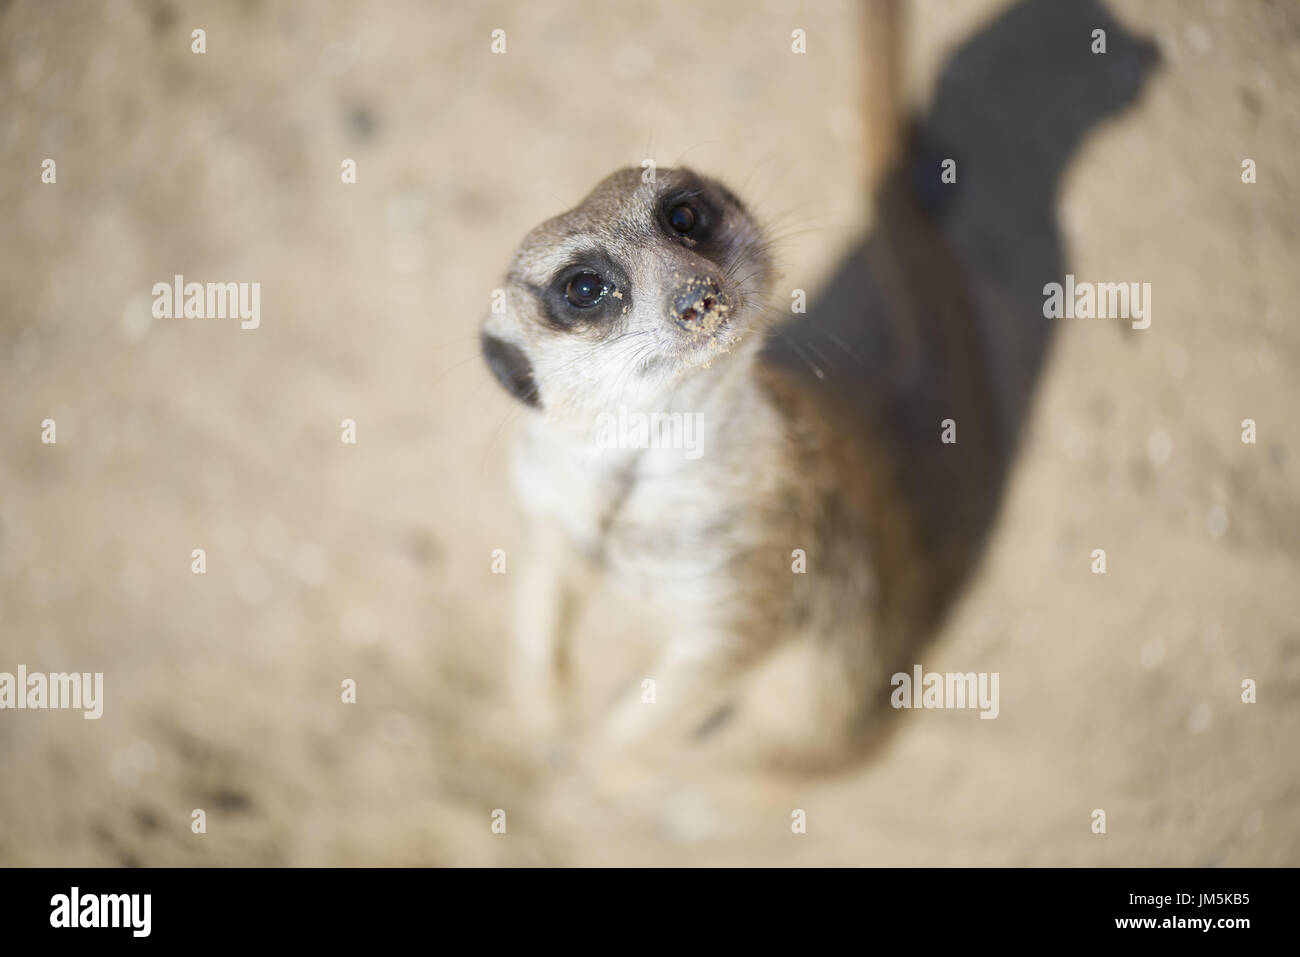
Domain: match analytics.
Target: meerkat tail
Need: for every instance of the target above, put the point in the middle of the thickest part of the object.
(882, 110)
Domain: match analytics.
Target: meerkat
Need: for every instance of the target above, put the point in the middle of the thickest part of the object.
(652, 297)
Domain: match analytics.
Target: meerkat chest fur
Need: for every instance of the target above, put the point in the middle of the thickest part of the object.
(663, 496)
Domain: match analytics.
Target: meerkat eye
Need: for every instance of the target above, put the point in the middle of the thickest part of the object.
(585, 290)
(682, 218)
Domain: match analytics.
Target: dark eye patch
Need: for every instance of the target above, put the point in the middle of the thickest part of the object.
(692, 216)
(592, 290)
(699, 210)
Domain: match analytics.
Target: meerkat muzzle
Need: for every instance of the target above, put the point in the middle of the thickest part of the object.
(700, 306)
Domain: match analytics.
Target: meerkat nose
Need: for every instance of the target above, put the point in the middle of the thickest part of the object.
(699, 305)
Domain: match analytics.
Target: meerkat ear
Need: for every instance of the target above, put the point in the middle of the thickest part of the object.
(511, 368)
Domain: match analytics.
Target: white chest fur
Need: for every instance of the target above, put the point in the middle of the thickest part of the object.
(658, 505)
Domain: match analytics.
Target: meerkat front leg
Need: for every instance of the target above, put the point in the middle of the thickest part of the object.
(689, 683)
(543, 605)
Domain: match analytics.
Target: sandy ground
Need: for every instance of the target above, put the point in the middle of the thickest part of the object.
(328, 561)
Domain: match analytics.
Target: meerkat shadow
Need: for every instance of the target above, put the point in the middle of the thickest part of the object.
(931, 336)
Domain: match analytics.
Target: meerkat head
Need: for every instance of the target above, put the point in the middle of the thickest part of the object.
(621, 299)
